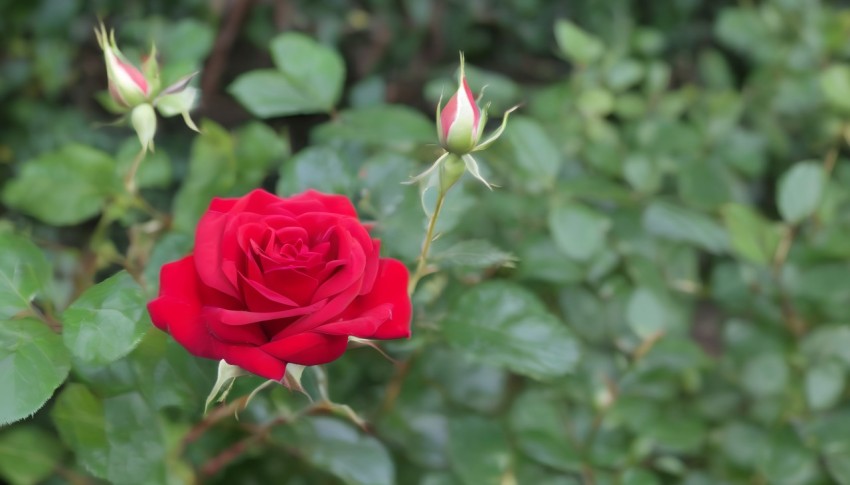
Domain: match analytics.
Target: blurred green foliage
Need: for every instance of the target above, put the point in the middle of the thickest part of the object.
(656, 293)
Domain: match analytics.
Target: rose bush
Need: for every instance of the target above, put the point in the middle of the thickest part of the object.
(277, 280)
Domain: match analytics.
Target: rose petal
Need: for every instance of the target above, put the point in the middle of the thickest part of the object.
(255, 361)
(308, 348)
(258, 298)
(292, 284)
(363, 326)
(177, 310)
(237, 317)
(352, 253)
(233, 334)
(259, 201)
(390, 288)
(336, 204)
(331, 310)
(372, 265)
(207, 254)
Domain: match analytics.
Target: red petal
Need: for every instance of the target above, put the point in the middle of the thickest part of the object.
(255, 361)
(336, 204)
(390, 287)
(308, 348)
(207, 254)
(237, 317)
(332, 309)
(363, 326)
(178, 309)
(350, 251)
(292, 284)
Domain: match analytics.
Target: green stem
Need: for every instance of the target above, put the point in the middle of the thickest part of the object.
(130, 179)
(422, 262)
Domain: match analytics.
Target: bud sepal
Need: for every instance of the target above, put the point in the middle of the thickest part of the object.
(143, 119)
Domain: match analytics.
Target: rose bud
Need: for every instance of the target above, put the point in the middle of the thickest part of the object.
(460, 126)
(127, 85)
(275, 281)
(460, 122)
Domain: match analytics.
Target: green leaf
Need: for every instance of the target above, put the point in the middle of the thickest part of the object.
(679, 432)
(503, 324)
(338, 448)
(171, 247)
(824, 384)
(213, 171)
(479, 450)
(765, 374)
(136, 444)
(576, 44)
(107, 321)
(541, 259)
(595, 102)
(642, 173)
(467, 383)
(24, 273)
(33, 363)
(647, 313)
(578, 231)
(167, 375)
(393, 126)
(743, 443)
(835, 82)
(704, 185)
(787, 461)
(536, 159)
(225, 165)
(800, 191)
(258, 150)
(838, 463)
(683, 225)
(473, 253)
(639, 476)
(308, 79)
(828, 342)
(185, 44)
(28, 455)
(753, 237)
(540, 426)
(63, 187)
(79, 418)
(624, 74)
(317, 167)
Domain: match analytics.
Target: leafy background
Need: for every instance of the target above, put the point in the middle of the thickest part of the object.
(656, 293)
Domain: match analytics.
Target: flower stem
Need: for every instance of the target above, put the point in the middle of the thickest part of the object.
(130, 179)
(422, 262)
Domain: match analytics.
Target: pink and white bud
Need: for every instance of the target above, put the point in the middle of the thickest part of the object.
(127, 85)
(459, 124)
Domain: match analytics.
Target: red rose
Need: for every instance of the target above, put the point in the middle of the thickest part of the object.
(276, 280)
